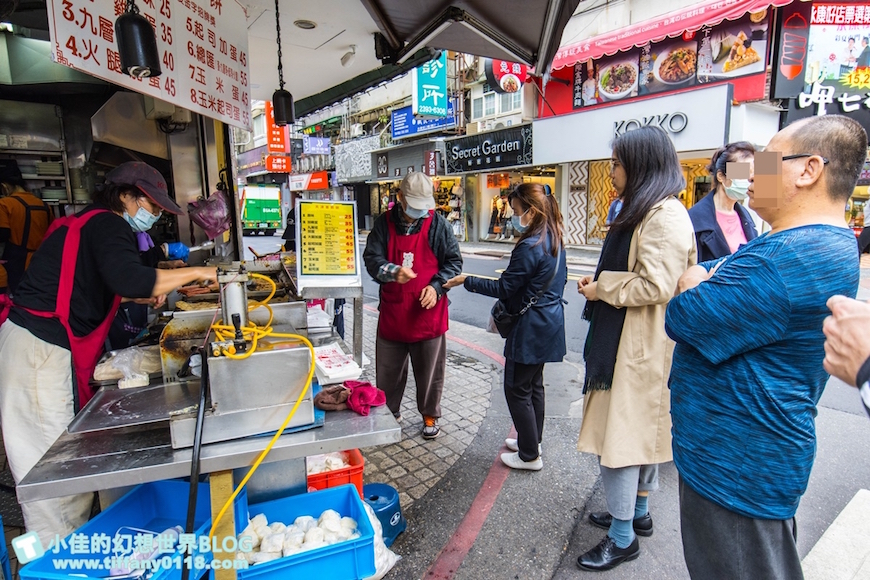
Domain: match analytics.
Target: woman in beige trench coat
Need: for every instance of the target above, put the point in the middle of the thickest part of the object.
(626, 411)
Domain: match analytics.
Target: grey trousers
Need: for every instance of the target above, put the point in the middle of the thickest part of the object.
(622, 484)
(428, 357)
(719, 543)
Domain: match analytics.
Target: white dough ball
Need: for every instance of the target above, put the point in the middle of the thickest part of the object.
(277, 528)
(273, 543)
(305, 523)
(314, 535)
(259, 520)
(329, 515)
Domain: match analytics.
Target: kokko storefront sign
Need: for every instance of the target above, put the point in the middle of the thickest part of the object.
(695, 121)
(506, 148)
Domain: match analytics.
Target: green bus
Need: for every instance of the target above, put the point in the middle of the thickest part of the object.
(261, 209)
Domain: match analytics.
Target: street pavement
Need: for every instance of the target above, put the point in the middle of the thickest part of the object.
(478, 520)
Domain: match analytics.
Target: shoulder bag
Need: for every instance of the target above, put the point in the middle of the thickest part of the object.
(503, 320)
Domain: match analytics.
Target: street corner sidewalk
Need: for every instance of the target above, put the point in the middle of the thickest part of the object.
(415, 465)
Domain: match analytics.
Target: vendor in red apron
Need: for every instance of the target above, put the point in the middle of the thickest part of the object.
(411, 252)
(58, 321)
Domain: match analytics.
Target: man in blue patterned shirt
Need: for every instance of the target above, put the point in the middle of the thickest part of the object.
(747, 371)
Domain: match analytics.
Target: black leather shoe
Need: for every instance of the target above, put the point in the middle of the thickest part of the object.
(607, 555)
(643, 526)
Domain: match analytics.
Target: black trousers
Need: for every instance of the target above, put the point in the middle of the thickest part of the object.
(524, 391)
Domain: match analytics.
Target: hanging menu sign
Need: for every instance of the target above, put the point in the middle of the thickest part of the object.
(202, 49)
(327, 239)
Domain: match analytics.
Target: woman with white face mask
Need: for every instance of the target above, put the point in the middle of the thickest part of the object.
(59, 318)
(721, 222)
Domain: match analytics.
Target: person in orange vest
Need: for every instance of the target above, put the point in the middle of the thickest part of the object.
(24, 219)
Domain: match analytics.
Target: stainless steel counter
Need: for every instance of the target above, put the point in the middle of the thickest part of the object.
(85, 462)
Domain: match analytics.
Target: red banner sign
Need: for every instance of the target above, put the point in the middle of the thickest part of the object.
(276, 137)
(278, 164)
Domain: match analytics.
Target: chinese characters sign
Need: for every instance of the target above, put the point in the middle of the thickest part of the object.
(848, 14)
(429, 88)
(504, 76)
(276, 137)
(203, 51)
(328, 239)
(278, 164)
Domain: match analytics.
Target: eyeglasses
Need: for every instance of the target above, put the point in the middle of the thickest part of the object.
(614, 163)
(825, 160)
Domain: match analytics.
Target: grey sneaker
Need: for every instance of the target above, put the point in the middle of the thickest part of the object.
(431, 430)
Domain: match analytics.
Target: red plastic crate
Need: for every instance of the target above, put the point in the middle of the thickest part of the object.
(353, 473)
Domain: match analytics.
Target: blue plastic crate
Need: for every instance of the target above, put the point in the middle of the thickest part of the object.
(349, 560)
(4, 558)
(151, 506)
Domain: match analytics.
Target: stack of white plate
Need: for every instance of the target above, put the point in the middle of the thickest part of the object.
(81, 194)
(55, 193)
(49, 168)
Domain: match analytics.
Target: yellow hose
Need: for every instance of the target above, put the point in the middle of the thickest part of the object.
(253, 333)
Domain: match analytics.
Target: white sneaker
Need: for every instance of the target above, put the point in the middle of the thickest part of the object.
(513, 461)
(512, 445)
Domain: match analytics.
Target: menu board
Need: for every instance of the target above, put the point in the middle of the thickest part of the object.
(327, 238)
(202, 48)
(725, 51)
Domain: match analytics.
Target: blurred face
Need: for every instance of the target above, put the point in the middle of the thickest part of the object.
(767, 188)
(617, 175)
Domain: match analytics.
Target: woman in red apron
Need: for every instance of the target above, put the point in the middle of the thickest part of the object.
(60, 316)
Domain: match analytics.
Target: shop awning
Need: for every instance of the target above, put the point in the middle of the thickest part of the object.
(691, 18)
(526, 31)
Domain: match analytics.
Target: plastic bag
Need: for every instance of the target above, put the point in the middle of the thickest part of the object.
(385, 558)
(129, 362)
(212, 214)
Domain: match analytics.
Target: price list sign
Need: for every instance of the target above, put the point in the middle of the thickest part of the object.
(202, 45)
(327, 239)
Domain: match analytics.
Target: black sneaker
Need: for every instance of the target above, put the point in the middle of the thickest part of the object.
(397, 416)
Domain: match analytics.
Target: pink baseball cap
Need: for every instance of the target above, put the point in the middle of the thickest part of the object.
(147, 180)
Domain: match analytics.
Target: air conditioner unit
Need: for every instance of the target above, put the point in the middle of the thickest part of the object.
(484, 126)
(357, 130)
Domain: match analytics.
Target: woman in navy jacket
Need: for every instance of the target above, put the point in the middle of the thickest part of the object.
(721, 223)
(539, 335)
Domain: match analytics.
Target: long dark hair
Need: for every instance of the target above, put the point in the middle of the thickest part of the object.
(725, 155)
(109, 195)
(652, 169)
(547, 220)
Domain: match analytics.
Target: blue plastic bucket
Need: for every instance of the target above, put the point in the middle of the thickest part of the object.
(384, 499)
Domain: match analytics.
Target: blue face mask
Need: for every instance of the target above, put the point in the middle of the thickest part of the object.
(142, 221)
(518, 226)
(414, 213)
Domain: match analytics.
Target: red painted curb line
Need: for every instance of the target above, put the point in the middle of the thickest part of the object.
(452, 555)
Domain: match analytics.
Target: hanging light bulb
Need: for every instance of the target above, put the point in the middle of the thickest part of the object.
(137, 43)
(282, 101)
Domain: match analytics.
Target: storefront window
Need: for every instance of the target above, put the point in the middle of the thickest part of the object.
(489, 104)
(477, 108)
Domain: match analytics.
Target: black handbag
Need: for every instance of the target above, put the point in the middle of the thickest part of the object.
(504, 321)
